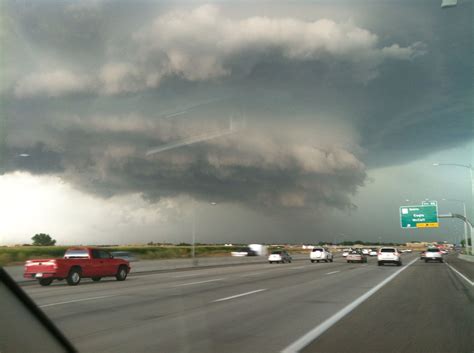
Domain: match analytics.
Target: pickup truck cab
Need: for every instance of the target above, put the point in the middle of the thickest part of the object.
(77, 263)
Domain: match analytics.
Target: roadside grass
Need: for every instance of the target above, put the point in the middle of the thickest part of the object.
(18, 255)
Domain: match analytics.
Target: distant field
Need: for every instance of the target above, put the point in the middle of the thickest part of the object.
(16, 255)
(9, 255)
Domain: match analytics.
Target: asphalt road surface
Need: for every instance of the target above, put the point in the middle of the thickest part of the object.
(270, 308)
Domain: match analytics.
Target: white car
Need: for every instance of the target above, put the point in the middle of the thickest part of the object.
(345, 252)
(373, 253)
(365, 251)
(279, 256)
(433, 254)
(320, 254)
(389, 255)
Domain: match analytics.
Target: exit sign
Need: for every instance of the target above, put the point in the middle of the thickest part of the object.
(420, 216)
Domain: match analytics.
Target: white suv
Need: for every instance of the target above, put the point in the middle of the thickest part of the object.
(389, 255)
(433, 254)
(320, 254)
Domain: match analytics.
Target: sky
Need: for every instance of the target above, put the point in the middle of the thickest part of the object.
(270, 122)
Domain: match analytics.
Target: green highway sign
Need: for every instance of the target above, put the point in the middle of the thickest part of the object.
(419, 216)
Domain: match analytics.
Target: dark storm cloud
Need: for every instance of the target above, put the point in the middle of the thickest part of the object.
(321, 98)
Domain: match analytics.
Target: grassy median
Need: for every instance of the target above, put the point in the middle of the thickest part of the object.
(19, 254)
(16, 255)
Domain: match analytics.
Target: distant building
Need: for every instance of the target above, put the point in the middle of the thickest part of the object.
(418, 245)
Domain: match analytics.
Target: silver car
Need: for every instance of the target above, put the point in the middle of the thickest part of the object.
(433, 254)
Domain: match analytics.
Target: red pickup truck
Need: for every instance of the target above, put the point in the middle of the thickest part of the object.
(77, 263)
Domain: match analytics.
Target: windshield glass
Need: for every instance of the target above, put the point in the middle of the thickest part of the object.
(224, 159)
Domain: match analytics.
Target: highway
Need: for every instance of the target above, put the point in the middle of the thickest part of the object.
(271, 308)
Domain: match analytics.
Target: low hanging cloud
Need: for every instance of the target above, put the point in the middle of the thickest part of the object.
(53, 83)
(203, 44)
(259, 167)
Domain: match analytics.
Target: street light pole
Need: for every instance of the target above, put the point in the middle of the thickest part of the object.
(193, 248)
(471, 175)
(193, 233)
(465, 215)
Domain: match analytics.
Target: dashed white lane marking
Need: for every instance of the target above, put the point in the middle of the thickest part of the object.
(239, 295)
(75, 301)
(199, 282)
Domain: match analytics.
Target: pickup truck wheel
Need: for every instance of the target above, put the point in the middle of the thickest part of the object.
(74, 277)
(312, 261)
(331, 259)
(96, 279)
(45, 281)
(121, 273)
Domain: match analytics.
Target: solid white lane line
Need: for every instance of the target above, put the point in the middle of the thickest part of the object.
(191, 283)
(330, 273)
(75, 301)
(310, 336)
(460, 274)
(239, 295)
